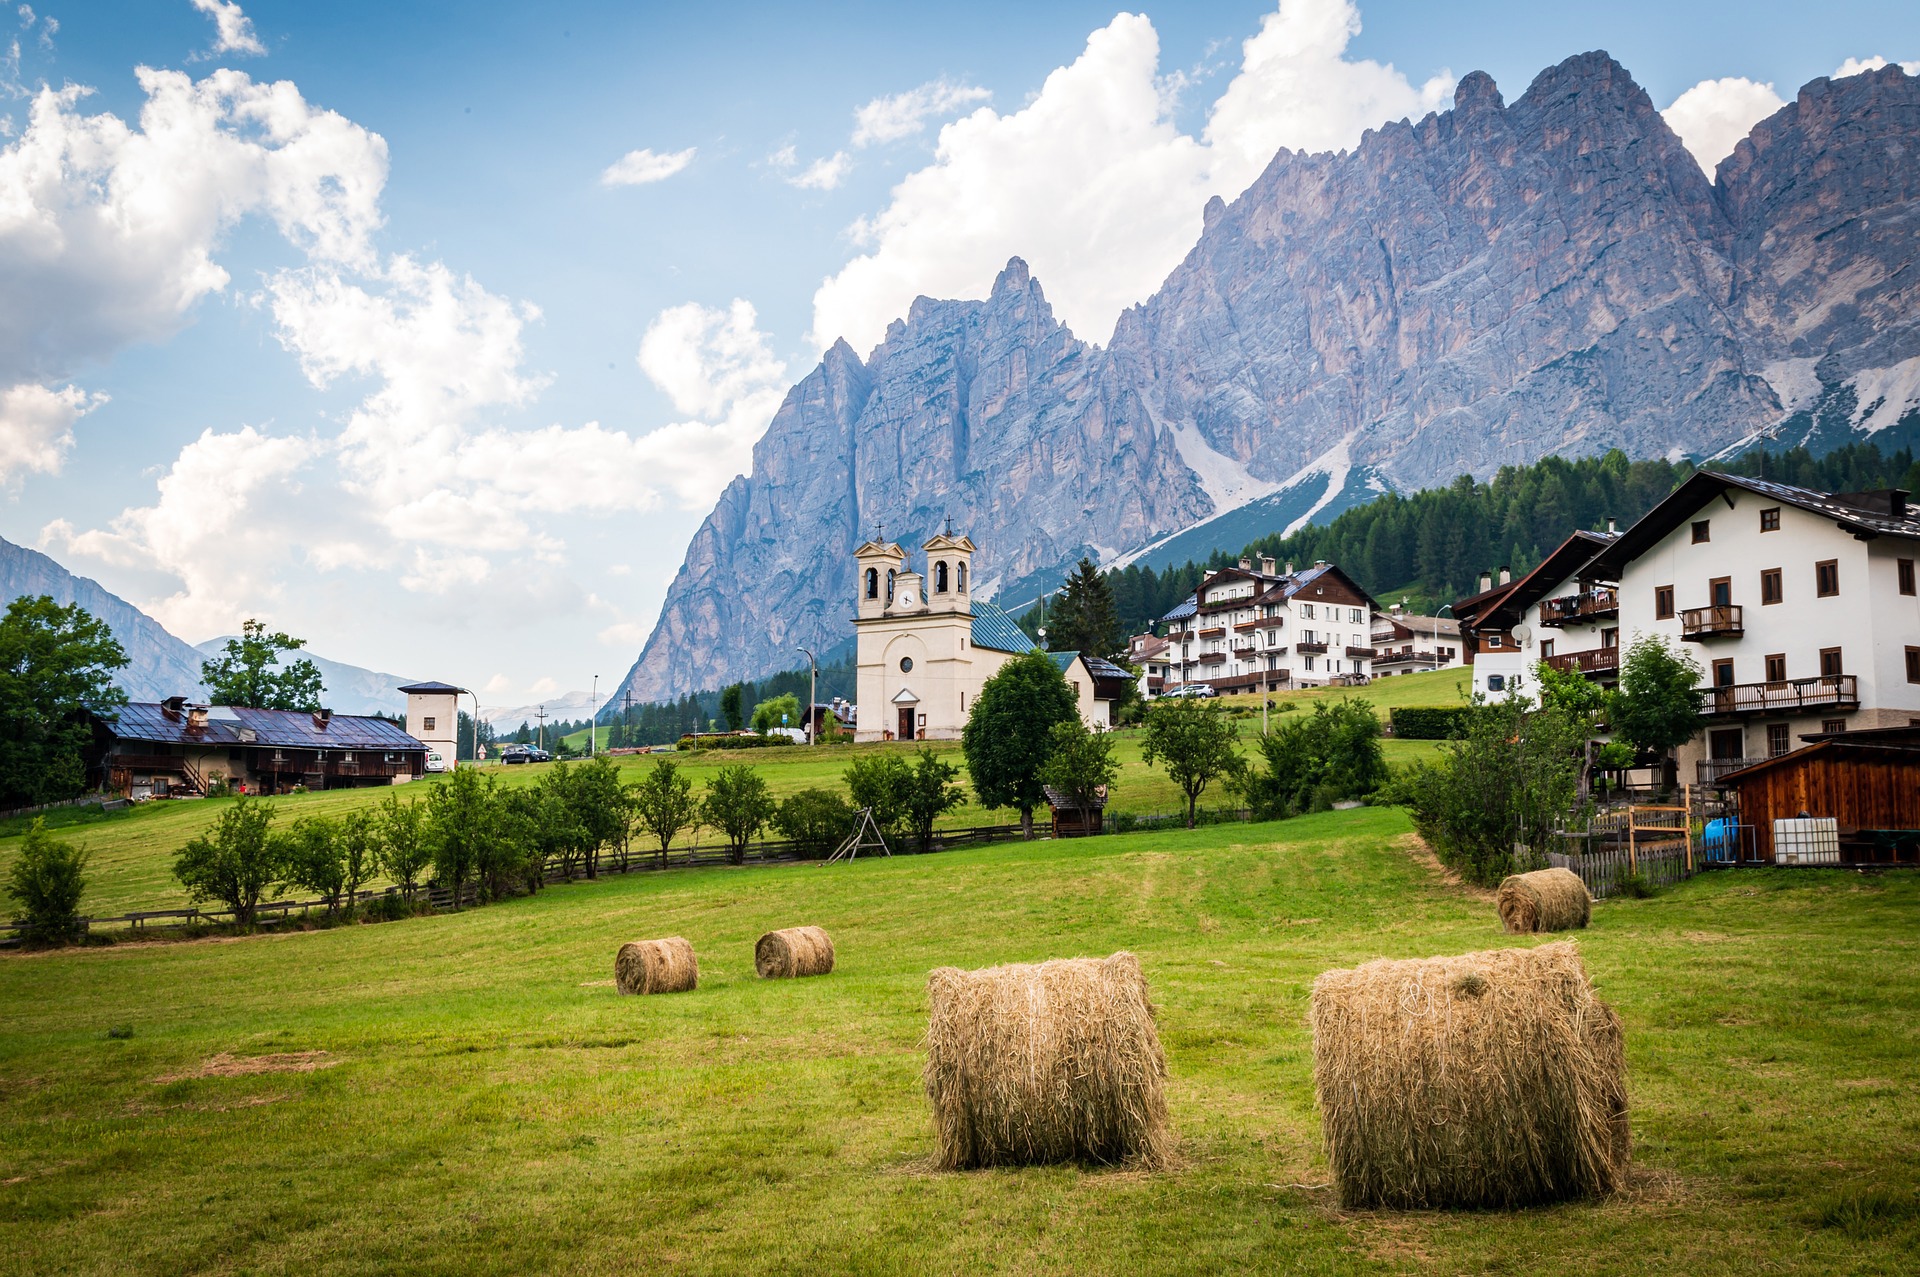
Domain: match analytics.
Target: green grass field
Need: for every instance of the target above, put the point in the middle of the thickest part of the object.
(132, 851)
(487, 1103)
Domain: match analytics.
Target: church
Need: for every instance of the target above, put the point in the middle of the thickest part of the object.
(925, 647)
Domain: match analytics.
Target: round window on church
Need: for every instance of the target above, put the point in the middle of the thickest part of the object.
(906, 665)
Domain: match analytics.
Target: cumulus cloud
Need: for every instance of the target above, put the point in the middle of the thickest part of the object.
(902, 115)
(36, 426)
(1094, 184)
(232, 30)
(1854, 66)
(1712, 116)
(637, 168)
(825, 173)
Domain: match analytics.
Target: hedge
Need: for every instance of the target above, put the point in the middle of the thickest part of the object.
(732, 742)
(1429, 722)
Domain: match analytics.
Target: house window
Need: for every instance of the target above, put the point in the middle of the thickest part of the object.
(1826, 578)
(1905, 569)
(873, 583)
(1723, 672)
(1306, 610)
(1496, 682)
(1833, 724)
(940, 577)
(1663, 602)
(1720, 591)
(1770, 519)
(426, 724)
(1779, 739)
(1771, 589)
(1309, 663)
(1830, 662)
(1353, 614)
(1777, 667)
(1493, 640)
(1702, 531)
(1727, 743)
(1913, 665)
(1610, 636)
(1546, 649)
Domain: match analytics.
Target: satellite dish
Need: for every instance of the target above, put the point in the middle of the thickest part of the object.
(1523, 634)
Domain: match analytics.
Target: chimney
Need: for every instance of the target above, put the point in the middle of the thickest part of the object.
(1246, 564)
(1506, 575)
(1289, 567)
(322, 717)
(1267, 564)
(1319, 563)
(171, 707)
(196, 719)
(1486, 581)
(1397, 609)
(1613, 525)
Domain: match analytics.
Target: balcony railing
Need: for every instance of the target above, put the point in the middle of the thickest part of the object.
(1598, 660)
(1245, 652)
(1360, 653)
(1588, 605)
(1214, 631)
(1211, 658)
(1723, 620)
(1242, 627)
(1710, 770)
(1829, 691)
(1271, 622)
(1308, 646)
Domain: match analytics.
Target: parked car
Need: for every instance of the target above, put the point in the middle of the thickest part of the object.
(436, 761)
(515, 754)
(538, 755)
(1201, 690)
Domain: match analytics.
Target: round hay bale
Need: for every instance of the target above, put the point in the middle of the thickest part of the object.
(1492, 1079)
(794, 951)
(1053, 1062)
(656, 966)
(1544, 900)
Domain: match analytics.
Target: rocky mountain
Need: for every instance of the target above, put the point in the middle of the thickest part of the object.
(160, 665)
(1487, 286)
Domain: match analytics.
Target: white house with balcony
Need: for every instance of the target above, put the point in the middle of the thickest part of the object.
(1800, 607)
(1561, 613)
(1249, 628)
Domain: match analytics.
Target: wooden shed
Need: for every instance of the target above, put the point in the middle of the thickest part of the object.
(1070, 820)
(1868, 783)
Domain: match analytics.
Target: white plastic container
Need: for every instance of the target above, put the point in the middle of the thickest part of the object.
(1806, 841)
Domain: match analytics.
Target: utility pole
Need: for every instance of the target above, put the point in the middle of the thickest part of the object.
(813, 688)
(541, 739)
(593, 715)
(626, 718)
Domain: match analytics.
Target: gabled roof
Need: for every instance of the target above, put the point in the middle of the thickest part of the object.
(1182, 611)
(994, 629)
(233, 725)
(1847, 510)
(1575, 555)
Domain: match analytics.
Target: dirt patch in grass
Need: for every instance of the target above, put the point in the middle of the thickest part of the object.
(1421, 854)
(225, 1065)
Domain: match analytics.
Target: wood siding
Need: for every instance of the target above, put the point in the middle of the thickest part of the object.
(1859, 787)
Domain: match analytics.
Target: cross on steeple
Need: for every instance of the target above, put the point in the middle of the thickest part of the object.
(879, 529)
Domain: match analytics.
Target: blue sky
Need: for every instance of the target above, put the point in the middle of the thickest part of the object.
(344, 376)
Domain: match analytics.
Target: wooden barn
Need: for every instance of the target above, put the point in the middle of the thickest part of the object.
(1070, 820)
(1867, 782)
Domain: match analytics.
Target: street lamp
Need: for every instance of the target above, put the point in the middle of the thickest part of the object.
(813, 684)
(593, 715)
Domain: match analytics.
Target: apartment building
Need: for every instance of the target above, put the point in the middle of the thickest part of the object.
(1247, 628)
(1561, 613)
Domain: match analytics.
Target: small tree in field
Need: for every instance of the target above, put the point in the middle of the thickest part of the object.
(1082, 763)
(1316, 760)
(1193, 741)
(1009, 733)
(739, 805)
(404, 852)
(816, 820)
(310, 859)
(236, 863)
(663, 804)
(880, 781)
(1658, 706)
(781, 711)
(928, 794)
(359, 853)
(460, 828)
(45, 884)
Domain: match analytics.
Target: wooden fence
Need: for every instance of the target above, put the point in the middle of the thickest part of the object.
(1659, 864)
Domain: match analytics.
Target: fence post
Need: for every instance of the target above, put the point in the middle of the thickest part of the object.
(1686, 823)
(1633, 835)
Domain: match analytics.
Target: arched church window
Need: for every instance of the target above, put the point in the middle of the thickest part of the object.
(873, 583)
(940, 577)
(890, 575)
(963, 578)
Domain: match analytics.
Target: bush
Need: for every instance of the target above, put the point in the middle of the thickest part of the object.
(732, 742)
(881, 781)
(1315, 761)
(739, 805)
(46, 884)
(236, 863)
(1429, 722)
(1632, 886)
(817, 821)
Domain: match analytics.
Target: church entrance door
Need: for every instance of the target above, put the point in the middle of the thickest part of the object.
(906, 722)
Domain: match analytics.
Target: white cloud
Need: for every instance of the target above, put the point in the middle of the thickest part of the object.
(1854, 66)
(1093, 183)
(637, 168)
(1712, 116)
(825, 173)
(901, 115)
(233, 30)
(36, 426)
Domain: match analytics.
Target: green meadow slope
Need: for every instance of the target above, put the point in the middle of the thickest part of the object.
(476, 1098)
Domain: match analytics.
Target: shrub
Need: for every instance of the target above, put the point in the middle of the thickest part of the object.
(1315, 761)
(881, 781)
(46, 884)
(929, 793)
(817, 821)
(1082, 764)
(236, 863)
(733, 742)
(739, 805)
(1193, 741)
(1429, 722)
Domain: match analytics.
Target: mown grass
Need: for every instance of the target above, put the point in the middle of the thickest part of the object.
(132, 852)
(493, 1106)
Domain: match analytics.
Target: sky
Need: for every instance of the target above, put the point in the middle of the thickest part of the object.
(430, 332)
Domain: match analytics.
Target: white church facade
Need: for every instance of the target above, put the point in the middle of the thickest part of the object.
(925, 647)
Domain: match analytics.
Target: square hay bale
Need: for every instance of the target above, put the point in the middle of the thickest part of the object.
(1051, 1062)
(1489, 1080)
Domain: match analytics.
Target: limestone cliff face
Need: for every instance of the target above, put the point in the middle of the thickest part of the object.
(1487, 286)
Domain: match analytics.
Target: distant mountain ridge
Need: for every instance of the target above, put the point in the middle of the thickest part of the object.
(1490, 285)
(161, 665)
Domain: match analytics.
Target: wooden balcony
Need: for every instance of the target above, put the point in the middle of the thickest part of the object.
(1245, 651)
(1589, 605)
(1360, 653)
(1598, 662)
(1244, 627)
(1793, 696)
(1210, 658)
(1725, 620)
(1309, 647)
(1710, 770)
(1214, 631)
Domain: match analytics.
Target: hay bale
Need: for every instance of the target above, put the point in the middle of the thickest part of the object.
(1544, 900)
(794, 951)
(656, 966)
(1488, 1080)
(1053, 1062)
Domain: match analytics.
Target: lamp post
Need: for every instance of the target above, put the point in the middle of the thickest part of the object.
(813, 684)
(593, 715)
(476, 730)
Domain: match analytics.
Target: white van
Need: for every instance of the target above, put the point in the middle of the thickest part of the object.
(436, 761)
